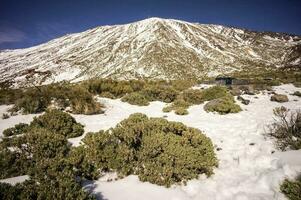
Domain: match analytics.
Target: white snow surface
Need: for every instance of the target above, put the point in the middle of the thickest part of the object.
(248, 168)
(15, 180)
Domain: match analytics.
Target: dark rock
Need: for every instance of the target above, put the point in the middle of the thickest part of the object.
(279, 98)
(243, 101)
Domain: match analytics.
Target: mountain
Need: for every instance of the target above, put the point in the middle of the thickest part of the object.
(153, 48)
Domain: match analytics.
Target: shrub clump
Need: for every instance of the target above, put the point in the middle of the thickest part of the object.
(193, 96)
(286, 128)
(292, 189)
(16, 130)
(214, 92)
(107, 95)
(82, 102)
(136, 98)
(34, 100)
(180, 106)
(59, 122)
(155, 149)
(222, 105)
(157, 92)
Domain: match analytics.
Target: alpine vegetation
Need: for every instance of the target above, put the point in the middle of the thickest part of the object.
(158, 151)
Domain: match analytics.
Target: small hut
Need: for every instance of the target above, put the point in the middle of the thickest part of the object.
(224, 80)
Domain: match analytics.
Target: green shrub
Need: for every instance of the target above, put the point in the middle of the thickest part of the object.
(44, 155)
(59, 122)
(292, 189)
(222, 105)
(181, 85)
(167, 109)
(9, 96)
(181, 111)
(82, 102)
(107, 95)
(193, 96)
(214, 92)
(179, 106)
(33, 101)
(42, 143)
(18, 129)
(13, 163)
(286, 128)
(159, 92)
(155, 149)
(9, 192)
(136, 98)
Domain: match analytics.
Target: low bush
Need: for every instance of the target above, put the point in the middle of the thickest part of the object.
(82, 102)
(136, 98)
(43, 154)
(181, 111)
(157, 92)
(214, 92)
(59, 122)
(107, 95)
(18, 129)
(9, 96)
(13, 163)
(179, 105)
(155, 149)
(193, 96)
(292, 189)
(286, 128)
(222, 105)
(33, 101)
(9, 192)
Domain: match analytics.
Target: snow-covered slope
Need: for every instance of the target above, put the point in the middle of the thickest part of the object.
(248, 169)
(155, 48)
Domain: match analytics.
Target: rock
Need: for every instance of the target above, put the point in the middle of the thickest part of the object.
(243, 101)
(248, 89)
(235, 91)
(279, 98)
(297, 93)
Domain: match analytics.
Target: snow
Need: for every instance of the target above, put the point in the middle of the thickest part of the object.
(296, 62)
(101, 51)
(248, 167)
(15, 180)
(13, 120)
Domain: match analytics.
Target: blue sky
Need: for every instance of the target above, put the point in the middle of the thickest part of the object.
(26, 23)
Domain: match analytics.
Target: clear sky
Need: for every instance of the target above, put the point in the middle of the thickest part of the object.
(25, 23)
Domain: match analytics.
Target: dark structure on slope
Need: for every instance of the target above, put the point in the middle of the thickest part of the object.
(226, 80)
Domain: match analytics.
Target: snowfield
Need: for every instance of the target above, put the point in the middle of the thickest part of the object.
(250, 168)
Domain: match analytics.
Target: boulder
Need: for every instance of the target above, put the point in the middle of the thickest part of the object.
(243, 100)
(235, 91)
(248, 89)
(279, 98)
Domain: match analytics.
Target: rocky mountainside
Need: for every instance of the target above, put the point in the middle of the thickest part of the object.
(153, 48)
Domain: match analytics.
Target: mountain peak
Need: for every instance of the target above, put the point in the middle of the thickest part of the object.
(153, 48)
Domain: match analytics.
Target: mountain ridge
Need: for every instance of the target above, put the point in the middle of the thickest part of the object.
(150, 48)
